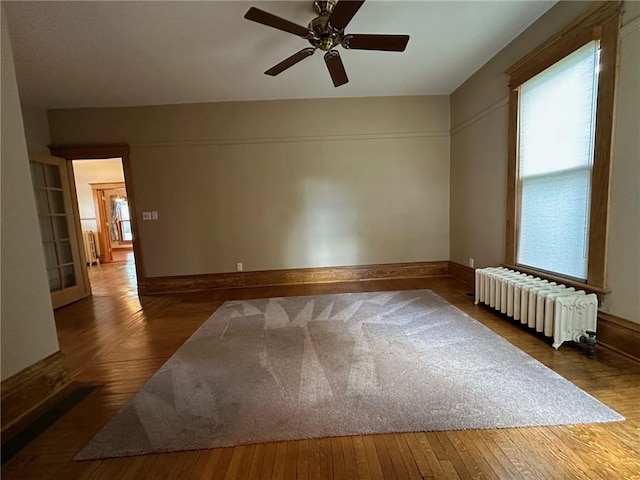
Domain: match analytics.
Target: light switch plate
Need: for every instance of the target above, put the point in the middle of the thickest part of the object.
(154, 215)
(146, 215)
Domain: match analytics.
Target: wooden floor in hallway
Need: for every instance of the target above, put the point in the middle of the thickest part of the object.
(119, 340)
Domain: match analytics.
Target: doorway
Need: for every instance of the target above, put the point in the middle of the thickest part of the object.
(115, 236)
(101, 154)
(86, 214)
(105, 214)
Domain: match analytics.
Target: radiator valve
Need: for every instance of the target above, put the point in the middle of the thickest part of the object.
(590, 341)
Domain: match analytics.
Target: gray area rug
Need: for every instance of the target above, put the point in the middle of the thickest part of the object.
(332, 365)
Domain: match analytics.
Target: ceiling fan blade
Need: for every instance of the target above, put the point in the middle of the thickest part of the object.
(389, 43)
(336, 68)
(260, 16)
(343, 12)
(290, 62)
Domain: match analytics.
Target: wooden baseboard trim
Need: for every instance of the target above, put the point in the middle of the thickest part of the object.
(462, 273)
(619, 334)
(25, 391)
(295, 276)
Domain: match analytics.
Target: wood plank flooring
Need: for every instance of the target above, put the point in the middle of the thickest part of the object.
(119, 340)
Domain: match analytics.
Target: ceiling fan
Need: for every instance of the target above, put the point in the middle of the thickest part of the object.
(326, 31)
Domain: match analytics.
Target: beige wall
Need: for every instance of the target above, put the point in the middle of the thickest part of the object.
(28, 329)
(282, 184)
(479, 117)
(87, 172)
(36, 129)
(624, 228)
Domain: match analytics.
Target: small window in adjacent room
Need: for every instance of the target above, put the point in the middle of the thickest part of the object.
(556, 131)
(560, 132)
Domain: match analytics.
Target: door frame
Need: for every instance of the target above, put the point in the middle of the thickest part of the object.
(102, 151)
(100, 204)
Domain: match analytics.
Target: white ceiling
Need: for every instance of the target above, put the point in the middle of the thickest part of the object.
(99, 54)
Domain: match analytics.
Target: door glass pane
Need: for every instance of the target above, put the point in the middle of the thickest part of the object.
(41, 202)
(45, 229)
(68, 276)
(53, 176)
(60, 227)
(37, 174)
(50, 257)
(56, 201)
(54, 280)
(64, 252)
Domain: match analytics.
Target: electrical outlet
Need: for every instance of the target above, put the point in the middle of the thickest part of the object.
(239, 266)
(471, 262)
(146, 216)
(154, 215)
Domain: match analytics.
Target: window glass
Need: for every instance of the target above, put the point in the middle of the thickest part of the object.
(556, 139)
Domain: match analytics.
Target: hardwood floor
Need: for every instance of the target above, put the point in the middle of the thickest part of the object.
(120, 340)
(122, 254)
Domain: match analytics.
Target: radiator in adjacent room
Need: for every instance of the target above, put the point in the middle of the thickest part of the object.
(558, 311)
(90, 247)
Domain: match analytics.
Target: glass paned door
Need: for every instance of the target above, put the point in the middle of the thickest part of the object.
(57, 229)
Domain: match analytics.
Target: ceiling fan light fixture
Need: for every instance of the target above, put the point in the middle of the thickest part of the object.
(326, 44)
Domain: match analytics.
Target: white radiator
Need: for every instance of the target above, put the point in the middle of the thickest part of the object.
(90, 247)
(556, 310)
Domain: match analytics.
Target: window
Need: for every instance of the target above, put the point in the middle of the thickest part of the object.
(560, 129)
(555, 144)
(125, 222)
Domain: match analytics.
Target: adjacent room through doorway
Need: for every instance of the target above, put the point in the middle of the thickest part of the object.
(105, 217)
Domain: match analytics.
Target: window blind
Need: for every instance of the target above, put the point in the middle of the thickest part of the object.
(556, 145)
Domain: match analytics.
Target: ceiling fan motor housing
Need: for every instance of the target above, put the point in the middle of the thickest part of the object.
(324, 36)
